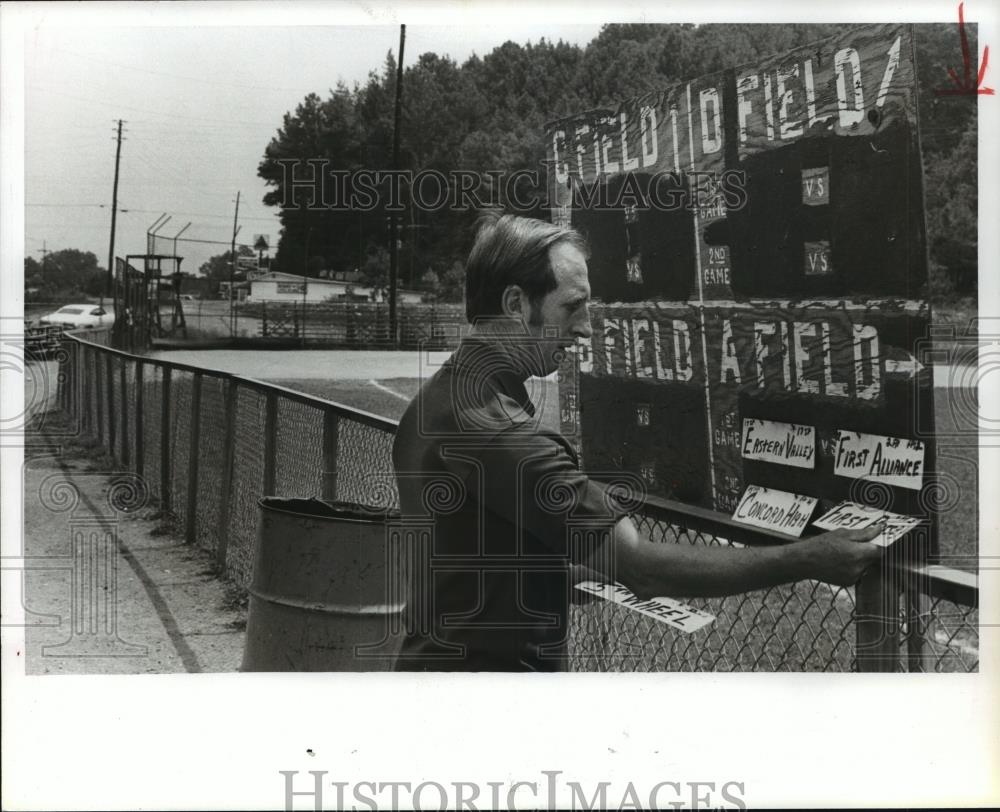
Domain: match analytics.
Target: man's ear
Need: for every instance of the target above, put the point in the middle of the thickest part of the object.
(514, 302)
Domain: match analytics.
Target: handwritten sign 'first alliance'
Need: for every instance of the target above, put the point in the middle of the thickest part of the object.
(890, 460)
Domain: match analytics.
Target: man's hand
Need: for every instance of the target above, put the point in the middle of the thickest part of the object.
(840, 557)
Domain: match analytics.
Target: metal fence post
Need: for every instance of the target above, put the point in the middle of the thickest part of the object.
(877, 621)
(228, 466)
(84, 358)
(74, 380)
(98, 399)
(109, 380)
(331, 426)
(140, 422)
(165, 442)
(62, 376)
(190, 533)
(914, 605)
(125, 406)
(270, 441)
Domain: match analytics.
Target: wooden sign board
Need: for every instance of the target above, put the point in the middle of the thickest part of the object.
(757, 248)
(776, 510)
(852, 516)
(665, 610)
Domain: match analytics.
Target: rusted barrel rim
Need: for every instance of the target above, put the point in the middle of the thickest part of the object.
(321, 509)
(365, 610)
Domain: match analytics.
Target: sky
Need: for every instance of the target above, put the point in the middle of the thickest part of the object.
(199, 104)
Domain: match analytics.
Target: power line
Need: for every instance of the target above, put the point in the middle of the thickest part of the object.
(202, 214)
(70, 205)
(198, 79)
(172, 115)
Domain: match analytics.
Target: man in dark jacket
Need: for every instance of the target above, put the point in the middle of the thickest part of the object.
(502, 508)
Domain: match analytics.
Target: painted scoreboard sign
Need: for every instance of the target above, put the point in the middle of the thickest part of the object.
(757, 264)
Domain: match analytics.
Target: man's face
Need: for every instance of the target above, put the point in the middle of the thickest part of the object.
(562, 316)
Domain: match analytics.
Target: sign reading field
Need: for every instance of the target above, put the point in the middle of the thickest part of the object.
(758, 262)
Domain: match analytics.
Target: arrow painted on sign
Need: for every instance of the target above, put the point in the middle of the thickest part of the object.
(910, 367)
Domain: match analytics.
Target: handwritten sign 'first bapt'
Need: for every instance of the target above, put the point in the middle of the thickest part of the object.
(892, 460)
(852, 516)
(783, 443)
(776, 510)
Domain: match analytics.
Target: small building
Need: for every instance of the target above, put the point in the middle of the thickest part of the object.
(286, 287)
(241, 290)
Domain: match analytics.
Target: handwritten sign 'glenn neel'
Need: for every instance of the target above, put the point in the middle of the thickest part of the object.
(781, 443)
(775, 510)
(757, 244)
(665, 610)
(852, 516)
(892, 460)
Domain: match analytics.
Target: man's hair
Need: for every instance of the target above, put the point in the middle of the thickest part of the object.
(511, 250)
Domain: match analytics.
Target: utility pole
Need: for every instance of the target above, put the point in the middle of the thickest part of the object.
(232, 268)
(44, 251)
(114, 216)
(393, 229)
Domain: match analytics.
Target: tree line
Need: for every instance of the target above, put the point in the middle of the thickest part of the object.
(62, 275)
(490, 113)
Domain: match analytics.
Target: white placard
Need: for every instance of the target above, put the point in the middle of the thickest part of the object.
(770, 508)
(783, 443)
(852, 516)
(892, 460)
(666, 610)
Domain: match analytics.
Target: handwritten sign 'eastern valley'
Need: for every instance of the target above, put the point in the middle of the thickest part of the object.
(782, 443)
(673, 613)
(852, 516)
(892, 460)
(770, 508)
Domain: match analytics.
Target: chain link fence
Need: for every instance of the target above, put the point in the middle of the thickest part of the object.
(208, 445)
(357, 325)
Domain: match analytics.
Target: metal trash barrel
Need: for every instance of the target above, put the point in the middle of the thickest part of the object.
(319, 599)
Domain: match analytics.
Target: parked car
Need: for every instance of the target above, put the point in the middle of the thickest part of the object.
(80, 315)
